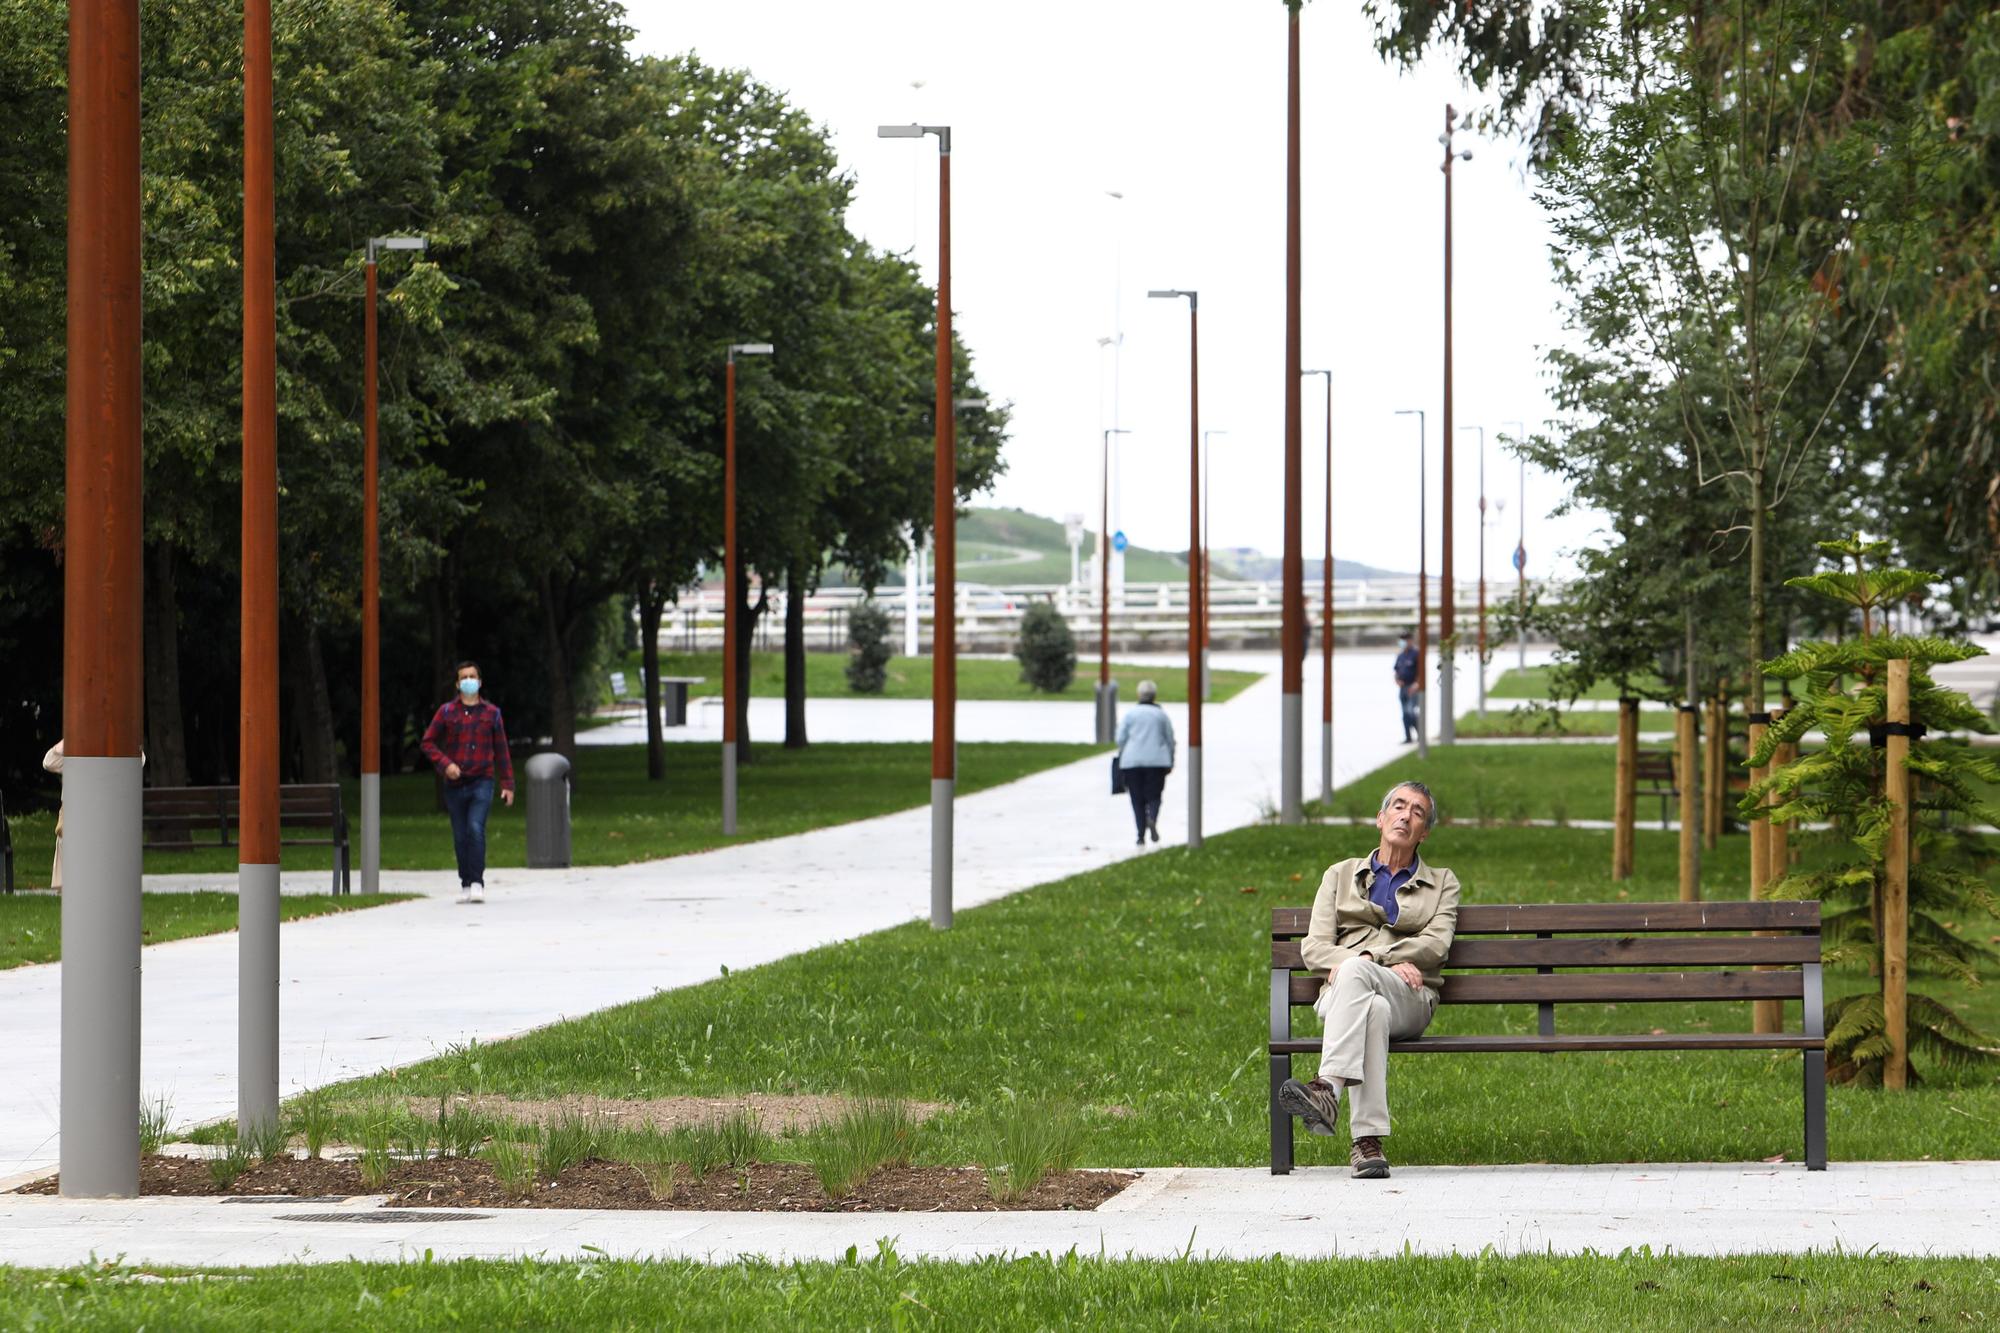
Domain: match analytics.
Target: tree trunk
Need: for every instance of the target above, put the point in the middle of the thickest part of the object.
(166, 726)
(1624, 808)
(751, 612)
(1689, 772)
(555, 657)
(444, 634)
(311, 704)
(795, 656)
(652, 602)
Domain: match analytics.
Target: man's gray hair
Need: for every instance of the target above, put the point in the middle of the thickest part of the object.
(1430, 815)
(1148, 691)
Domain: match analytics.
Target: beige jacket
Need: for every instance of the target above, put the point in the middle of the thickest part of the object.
(1345, 923)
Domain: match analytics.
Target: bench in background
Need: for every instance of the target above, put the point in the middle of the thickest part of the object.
(179, 819)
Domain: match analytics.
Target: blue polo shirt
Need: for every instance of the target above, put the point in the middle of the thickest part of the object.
(1382, 885)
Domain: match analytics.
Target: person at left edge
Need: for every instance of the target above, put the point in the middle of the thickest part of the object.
(467, 743)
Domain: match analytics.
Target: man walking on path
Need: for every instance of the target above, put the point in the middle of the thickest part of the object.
(1407, 688)
(1381, 927)
(467, 743)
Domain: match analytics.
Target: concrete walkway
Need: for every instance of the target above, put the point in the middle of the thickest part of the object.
(1913, 1208)
(364, 991)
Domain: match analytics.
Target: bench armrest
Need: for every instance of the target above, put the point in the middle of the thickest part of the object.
(1281, 1004)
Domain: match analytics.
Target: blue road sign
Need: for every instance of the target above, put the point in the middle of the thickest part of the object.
(1118, 541)
(1521, 557)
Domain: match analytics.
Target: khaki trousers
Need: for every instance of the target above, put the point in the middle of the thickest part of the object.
(1365, 1006)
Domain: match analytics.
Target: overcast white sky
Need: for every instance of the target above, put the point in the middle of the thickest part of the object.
(1180, 106)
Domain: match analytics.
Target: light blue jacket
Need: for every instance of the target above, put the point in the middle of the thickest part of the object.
(1146, 737)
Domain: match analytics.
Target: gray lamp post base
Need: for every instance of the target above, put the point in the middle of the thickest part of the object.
(371, 832)
(941, 812)
(1326, 764)
(256, 997)
(729, 787)
(99, 1113)
(1107, 712)
(1194, 796)
(1289, 809)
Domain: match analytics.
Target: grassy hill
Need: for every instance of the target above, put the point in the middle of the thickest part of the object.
(1011, 546)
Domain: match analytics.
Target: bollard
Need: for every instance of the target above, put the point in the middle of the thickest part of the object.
(547, 792)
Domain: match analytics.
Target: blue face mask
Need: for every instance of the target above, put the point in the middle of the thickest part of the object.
(469, 686)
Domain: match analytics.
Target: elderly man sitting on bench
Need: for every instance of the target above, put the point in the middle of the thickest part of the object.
(1381, 927)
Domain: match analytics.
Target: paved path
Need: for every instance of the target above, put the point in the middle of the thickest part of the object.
(1913, 1208)
(366, 990)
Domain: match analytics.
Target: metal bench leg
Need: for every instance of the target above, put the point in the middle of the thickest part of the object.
(1815, 1091)
(1281, 1120)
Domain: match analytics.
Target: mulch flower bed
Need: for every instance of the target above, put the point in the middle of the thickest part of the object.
(453, 1182)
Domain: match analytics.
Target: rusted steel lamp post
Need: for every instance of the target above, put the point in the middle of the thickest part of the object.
(103, 649)
(944, 500)
(1107, 688)
(1480, 664)
(371, 578)
(1423, 582)
(1447, 621)
(731, 613)
(1291, 808)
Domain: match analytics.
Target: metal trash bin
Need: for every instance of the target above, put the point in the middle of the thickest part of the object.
(548, 811)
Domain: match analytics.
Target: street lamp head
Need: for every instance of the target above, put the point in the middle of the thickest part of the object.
(968, 404)
(943, 133)
(377, 244)
(750, 349)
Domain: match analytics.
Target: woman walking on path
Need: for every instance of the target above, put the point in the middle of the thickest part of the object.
(467, 743)
(1145, 757)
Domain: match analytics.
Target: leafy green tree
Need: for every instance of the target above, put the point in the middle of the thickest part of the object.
(1047, 650)
(868, 631)
(1842, 694)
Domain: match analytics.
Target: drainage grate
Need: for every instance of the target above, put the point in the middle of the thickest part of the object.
(383, 1215)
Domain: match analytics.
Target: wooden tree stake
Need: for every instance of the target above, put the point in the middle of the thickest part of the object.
(1687, 777)
(1625, 797)
(1896, 886)
(1766, 1015)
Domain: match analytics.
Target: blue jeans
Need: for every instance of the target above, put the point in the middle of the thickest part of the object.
(469, 803)
(1411, 719)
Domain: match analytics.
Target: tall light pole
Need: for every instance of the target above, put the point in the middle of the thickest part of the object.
(732, 686)
(1196, 610)
(103, 639)
(1107, 688)
(1326, 614)
(944, 618)
(1480, 665)
(1292, 641)
(371, 577)
(257, 763)
(1447, 623)
(1423, 584)
(1207, 601)
(1521, 553)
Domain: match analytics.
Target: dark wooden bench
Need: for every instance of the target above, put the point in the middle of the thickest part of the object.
(1653, 775)
(179, 819)
(1574, 970)
(6, 850)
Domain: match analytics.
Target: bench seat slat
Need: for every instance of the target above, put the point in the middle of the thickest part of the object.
(1482, 1043)
(1598, 987)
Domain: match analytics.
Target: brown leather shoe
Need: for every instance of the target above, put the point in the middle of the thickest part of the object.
(1370, 1163)
(1317, 1103)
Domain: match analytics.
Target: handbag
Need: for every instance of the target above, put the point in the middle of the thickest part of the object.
(1117, 777)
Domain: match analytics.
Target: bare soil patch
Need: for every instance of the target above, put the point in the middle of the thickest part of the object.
(777, 1113)
(764, 1186)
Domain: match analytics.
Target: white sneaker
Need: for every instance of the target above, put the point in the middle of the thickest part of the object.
(478, 892)
(464, 894)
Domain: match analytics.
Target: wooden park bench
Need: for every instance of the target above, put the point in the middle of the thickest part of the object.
(1653, 775)
(179, 819)
(1579, 952)
(6, 850)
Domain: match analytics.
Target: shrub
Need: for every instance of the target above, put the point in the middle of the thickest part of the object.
(868, 631)
(1033, 1140)
(1047, 650)
(869, 1133)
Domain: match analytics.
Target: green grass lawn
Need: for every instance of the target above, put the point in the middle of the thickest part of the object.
(618, 816)
(31, 924)
(1502, 720)
(1533, 683)
(1139, 991)
(1500, 782)
(980, 679)
(1629, 1290)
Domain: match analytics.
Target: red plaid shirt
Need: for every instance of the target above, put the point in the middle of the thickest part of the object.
(472, 737)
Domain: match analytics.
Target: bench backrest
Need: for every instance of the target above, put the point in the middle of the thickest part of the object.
(1654, 766)
(1613, 936)
(309, 805)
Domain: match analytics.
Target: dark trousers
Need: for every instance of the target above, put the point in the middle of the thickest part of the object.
(1411, 718)
(1145, 786)
(469, 803)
